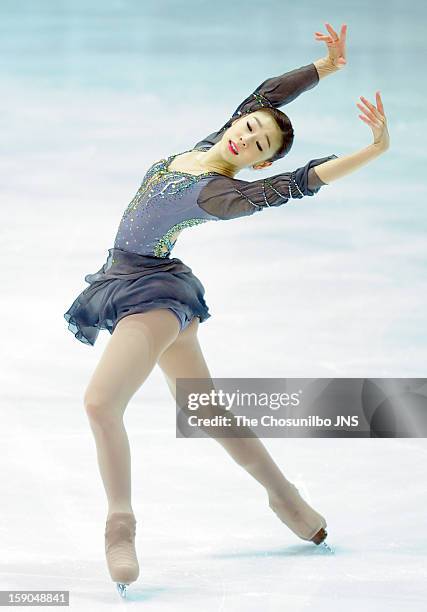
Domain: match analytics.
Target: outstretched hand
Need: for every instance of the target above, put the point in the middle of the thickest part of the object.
(375, 117)
(335, 44)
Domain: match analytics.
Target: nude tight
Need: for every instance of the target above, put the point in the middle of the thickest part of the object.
(138, 343)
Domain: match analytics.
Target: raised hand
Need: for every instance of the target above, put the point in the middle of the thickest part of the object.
(337, 53)
(374, 116)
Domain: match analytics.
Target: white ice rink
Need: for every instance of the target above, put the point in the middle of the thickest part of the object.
(329, 286)
(206, 538)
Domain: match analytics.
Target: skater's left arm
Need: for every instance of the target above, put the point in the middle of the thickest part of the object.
(375, 117)
(229, 198)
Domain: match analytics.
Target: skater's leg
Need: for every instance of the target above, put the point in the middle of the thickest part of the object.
(184, 359)
(131, 353)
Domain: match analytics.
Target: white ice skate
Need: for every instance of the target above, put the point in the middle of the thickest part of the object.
(120, 530)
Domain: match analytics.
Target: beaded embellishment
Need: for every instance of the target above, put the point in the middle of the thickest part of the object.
(157, 174)
(160, 182)
(262, 101)
(165, 241)
(293, 192)
(164, 244)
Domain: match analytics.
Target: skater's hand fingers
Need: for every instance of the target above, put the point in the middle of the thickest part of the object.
(376, 119)
(380, 103)
(379, 115)
(336, 44)
(331, 31)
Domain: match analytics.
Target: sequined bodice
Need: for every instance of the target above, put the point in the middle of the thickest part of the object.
(164, 205)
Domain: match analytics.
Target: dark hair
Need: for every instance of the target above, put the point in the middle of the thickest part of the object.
(285, 126)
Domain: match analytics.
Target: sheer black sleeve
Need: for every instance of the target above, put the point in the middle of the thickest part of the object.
(228, 198)
(274, 92)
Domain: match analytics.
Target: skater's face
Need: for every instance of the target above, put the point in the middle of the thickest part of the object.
(257, 137)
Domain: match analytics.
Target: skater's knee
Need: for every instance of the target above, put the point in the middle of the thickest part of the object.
(100, 410)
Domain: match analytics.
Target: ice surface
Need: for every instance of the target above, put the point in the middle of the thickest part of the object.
(206, 537)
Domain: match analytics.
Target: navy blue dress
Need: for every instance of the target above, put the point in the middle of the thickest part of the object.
(139, 274)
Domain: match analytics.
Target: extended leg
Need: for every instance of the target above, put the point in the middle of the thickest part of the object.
(184, 359)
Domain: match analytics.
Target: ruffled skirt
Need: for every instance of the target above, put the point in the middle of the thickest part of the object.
(129, 283)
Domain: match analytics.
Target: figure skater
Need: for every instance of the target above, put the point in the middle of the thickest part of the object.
(152, 304)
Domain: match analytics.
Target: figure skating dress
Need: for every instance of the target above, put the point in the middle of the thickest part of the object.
(139, 274)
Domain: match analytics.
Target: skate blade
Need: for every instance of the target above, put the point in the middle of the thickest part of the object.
(122, 588)
(320, 538)
(328, 548)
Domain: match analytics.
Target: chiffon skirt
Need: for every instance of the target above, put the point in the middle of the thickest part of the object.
(129, 283)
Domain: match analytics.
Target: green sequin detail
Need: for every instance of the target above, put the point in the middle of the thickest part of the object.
(148, 184)
(165, 241)
(156, 175)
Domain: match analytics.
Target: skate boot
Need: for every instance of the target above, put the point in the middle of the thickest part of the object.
(120, 551)
(298, 515)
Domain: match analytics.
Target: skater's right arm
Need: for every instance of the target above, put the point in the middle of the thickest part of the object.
(374, 116)
(282, 89)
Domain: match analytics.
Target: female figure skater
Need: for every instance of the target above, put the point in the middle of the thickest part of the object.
(152, 304)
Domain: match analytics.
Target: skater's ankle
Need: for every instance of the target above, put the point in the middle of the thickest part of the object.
(114, 509)
(281, 493)
(280, 489)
